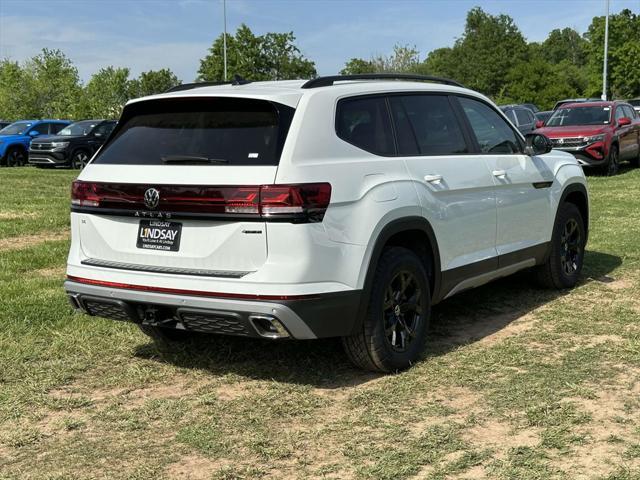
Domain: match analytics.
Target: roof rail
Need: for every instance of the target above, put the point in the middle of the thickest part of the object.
(237, 80)
(328, 81)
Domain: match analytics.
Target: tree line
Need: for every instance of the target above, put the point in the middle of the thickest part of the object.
(491, 56)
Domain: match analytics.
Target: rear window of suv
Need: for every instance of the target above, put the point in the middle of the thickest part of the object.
(199, 130)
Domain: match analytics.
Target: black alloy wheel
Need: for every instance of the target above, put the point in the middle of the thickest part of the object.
(571, 247)
(402, 310)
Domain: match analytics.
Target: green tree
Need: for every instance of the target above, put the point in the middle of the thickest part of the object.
(565, 45)
(624, 43)
(47, 86)
(273, 56)
(12, 92)
(106, 93)
(404, 59)
(153, 82)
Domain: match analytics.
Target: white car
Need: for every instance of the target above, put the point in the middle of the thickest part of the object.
(337, 207)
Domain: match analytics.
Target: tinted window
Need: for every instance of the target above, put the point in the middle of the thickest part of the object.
(493, 134)
(523, 117)
(364, 122)
(407, 144)
(620, 113)
(17, 128)
(104, 129)
(78, 128)
(629, 112)
(55, 127)
(216, 131)
(433, 123)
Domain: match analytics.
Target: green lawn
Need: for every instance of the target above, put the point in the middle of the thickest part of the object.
(517, 383)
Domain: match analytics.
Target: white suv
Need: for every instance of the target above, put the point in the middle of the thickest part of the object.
(338, 207)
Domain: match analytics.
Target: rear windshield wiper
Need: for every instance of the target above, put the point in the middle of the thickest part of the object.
(193, 159)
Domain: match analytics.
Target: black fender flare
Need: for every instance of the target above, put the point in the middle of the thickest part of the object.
(389, 230)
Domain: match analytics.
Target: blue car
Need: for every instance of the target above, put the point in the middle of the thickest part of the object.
(16, 138)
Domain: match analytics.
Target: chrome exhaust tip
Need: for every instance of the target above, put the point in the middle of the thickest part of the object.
(268, 326)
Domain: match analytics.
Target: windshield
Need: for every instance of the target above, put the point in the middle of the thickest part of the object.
(77, 129)
(17, 128)
(564, 117)
(217, 131)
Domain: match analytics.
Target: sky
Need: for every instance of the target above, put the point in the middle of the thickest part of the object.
(175, 34)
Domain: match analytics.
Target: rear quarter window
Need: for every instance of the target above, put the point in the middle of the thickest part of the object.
(199, 130)
(364, 122)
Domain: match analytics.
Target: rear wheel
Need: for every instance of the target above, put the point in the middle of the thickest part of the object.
(394, 331)
(16, 157)
(166, 339)
(564, 264)
(613, 165)
(79, 159)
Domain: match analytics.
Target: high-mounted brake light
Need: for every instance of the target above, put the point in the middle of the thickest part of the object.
(301, 203)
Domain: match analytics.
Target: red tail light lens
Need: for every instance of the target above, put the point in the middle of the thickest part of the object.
(298, 203)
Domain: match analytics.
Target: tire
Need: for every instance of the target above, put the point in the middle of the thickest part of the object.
(385, 342)
(79, 159)
(564, 263)
(166, 339)
(613, 164)
(16, 157)
(635, 162)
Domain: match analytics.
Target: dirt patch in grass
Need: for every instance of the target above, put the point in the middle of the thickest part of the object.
(25, 241)
(17, 215)
(195, 467)
(52, 272)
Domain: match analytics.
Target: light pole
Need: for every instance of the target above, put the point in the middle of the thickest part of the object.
(606, 49)
(224, 37)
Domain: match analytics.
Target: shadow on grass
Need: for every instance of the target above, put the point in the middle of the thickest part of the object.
(466, 318)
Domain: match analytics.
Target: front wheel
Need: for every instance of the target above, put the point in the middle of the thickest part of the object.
(16, 157)
(79, 160)
(564, 264)
(613, 165)
(394, 330)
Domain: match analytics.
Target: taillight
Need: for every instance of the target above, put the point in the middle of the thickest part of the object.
(305, 202)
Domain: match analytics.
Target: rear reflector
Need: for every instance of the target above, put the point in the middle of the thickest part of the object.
(179, 291)
(306, 202)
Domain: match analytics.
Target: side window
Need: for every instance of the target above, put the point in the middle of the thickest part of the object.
(105, 129)
(523, 118)
(42, 128)
(620, 113)
(494, 135)
(364, 122)
(55, 128)
(629, 112)
(432, 122)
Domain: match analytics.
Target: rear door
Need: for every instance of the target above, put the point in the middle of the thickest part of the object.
(454, 185)
(177, 186)
(522, 183)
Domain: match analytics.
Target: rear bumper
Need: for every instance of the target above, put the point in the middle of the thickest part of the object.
(318, 316)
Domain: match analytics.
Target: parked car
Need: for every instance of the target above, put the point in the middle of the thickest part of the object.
(542, 117)
(635, 103)
(15, 138)
(73, 146)
(325, 208)
(598, 134)
(574, 100)
(523, 118)
(4, 123)
(531, 106)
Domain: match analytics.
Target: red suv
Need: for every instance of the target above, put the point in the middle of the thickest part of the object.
(598, 134)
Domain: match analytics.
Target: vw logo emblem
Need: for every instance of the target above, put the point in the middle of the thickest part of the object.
(151, 198)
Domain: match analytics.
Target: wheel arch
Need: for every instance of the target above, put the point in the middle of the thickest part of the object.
(576, 193)
(414, 233)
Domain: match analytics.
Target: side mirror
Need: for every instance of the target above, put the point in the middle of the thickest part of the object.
(539, 124)
(624, 121)
(537, 144)
(34, 133)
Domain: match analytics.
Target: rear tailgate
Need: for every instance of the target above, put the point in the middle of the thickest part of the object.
(173, 189)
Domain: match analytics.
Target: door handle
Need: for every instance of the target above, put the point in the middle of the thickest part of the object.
(433, 178)
(499, 173)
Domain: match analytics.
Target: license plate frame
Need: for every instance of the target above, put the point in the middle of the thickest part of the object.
(159, 235)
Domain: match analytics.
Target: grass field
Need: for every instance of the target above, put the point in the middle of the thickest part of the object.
(517, 383)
